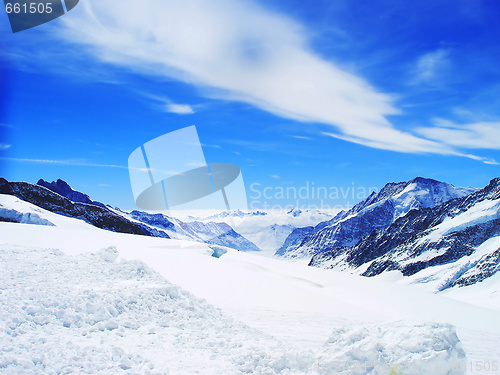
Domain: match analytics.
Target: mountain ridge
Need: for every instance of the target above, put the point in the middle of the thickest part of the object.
(45, 198)
(62, 188)
(377, 211)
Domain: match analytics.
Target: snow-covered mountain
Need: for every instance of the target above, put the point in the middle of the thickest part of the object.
(98, 216)
(208, 232)
(377, 211)
(53, 198)
(457, 243)
(290, 216)
(226, 214)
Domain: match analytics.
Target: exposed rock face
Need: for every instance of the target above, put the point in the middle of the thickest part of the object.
(96, 215)
(377, 211)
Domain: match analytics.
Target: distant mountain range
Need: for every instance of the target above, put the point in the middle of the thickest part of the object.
(216, 233)
(377, 211)
(267, 230)
(231, 213)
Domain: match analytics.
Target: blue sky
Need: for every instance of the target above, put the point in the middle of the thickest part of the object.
(342, 94)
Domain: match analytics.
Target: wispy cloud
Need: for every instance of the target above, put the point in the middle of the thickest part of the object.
(76, 163)
(4, 125)
(210, 145)
(300, 137)
(472, 136)
(216, 46)
(406, 143)
(4, 146)
(275, 176)
(429, 66)
(166, 105)
(254, 145)
(180, 109)
(64, 162)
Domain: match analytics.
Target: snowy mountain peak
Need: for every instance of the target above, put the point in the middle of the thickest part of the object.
(492, 190)
(295, 212)
(377, 211)
(417, 193)
(226, 214)
(424, 193)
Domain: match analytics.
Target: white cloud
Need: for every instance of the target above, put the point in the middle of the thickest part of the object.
(429, 65)
(275, 176)
(180, 109)
(300, 137)
(168, 105)
(237, 50)
(473, 136)
(4, 146)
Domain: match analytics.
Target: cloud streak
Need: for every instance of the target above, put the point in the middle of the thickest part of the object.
(180, 109)
(167, 105)
(76, 163)
(64, 162)
(479, 135)
(429, 66)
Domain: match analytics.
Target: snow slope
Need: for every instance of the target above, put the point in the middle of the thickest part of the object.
(90, 314)
(324, 308)
(16, 209)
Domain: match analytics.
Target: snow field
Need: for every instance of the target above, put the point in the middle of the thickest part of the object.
(87, 314)
(98, 313)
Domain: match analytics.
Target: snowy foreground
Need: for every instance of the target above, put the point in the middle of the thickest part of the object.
(76, 299)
